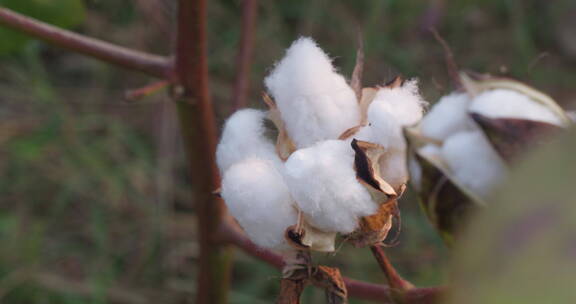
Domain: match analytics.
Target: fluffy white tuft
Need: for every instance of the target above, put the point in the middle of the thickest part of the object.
(244, 137)
(473, 162)
(448, 116)
(390, 111)
(323, 182)
(501, 103)
(258, 198)
(315, 101)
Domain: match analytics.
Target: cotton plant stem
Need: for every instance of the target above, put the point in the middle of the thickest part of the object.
(198, 126)
(394, 279)
(153, 65)
(245, 53)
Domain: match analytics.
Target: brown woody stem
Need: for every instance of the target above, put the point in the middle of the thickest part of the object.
(153, 65)
(198, 127)
(394, 279)
(245, 53)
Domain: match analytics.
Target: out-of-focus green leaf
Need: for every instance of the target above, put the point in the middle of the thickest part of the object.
(523, 248)
(62, 13)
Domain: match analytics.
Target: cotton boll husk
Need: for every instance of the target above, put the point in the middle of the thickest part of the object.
(502, 103)
(258, 198)
(243, 137)
(315, 102)
(473, 162)
(323, 182)
(448, 116)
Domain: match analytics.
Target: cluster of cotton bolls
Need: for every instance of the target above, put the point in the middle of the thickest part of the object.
(461, 145)
(315, 184)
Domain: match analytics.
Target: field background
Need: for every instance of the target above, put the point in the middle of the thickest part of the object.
(95, 203)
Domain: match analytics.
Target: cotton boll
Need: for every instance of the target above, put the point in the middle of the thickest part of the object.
(243, 137)
(393, 168)
(501, 103)
(405, 102)
(473, 162)
(323, 182)
(315, 102)
(391, 110)
(448, 116)
(258, 198)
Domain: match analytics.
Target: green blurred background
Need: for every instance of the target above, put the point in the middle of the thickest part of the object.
(95, 202)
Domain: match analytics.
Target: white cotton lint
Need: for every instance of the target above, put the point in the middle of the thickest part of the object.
(258, 198)
(473, 162)
(448, 116)
(323, 183)
(244, 137)
(315, 102)
(390, 111)
(502, 103)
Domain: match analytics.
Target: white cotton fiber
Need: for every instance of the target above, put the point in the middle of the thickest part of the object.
(473, 162)
(448, 116)
(391, 110)
(258, 198)
(393, 168)
(315, 101)
(244, 137)
(323, 182)
(501, 103)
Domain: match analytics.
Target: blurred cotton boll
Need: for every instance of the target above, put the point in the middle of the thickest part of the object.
(258, 198)
(323, 182)
(464, 147)
(315, 101)
(243, 137)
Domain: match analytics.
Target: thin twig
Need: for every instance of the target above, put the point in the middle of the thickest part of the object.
(245, 53)
(148, 90)
(451, 65)
(394, 278)
(153, 65)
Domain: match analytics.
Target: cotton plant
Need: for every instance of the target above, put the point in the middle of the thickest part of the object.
(464, 147)
(328, 158)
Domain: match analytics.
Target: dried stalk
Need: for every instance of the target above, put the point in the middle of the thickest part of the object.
(198, 127)
(245, 53)
(153, 65)
(394, 279)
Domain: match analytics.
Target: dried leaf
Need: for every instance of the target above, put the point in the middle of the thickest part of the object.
(374, 229)
(366, 163)
(331, 280)
(356, 80)
(512, 137)
(304, 236)
(290, 291)
(284, 144)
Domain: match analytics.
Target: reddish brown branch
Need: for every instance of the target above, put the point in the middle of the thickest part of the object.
(198, 126)
(362, 290)
(150, 64)
(245, 53)
(394, 279)
(451, 65)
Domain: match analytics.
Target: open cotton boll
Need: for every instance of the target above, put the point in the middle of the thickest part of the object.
(448, 116)
(404, 101)
(244, 137)
(258, 198)
(473, 162)
(391, 110)
(501, 103)
(323, 183)
(393, 168)
(315, 102)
